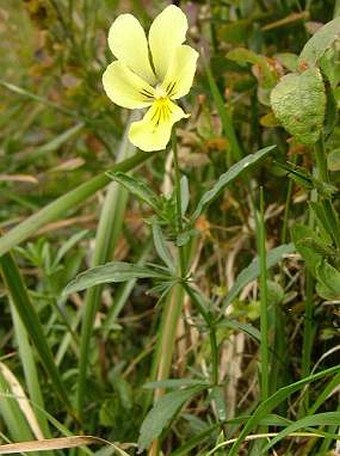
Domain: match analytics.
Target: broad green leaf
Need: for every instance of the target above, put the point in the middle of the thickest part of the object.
(114, 272)
(162, 248)
(226, 178)
(319, 43)
(288, 60)
(138, 188)
(303, 237)
(252, 271)
(326, 292)
(329, 278)
(299, 102)
(330, 64)
(162, 413)
(320, 419)
(268, 77)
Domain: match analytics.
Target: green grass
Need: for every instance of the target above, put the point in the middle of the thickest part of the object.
(216, 330)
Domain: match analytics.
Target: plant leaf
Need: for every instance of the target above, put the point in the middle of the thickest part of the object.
(162, 413)
(320, 419)
(162, 248)
(304, 239)
(299, 102)
(273, 401)
(246, 55)
(137, 187)
(114, 272)
(226, 178)
(252, 271)
(319, 43)
(329, 279)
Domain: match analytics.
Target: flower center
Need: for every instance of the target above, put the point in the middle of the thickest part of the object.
(160, 93)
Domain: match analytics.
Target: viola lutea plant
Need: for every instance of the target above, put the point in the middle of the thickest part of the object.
(151, 73)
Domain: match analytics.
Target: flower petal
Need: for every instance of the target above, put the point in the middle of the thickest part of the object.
(128, 44)
(180, 74)
(125, 88)
(167, 32)
(153, 131)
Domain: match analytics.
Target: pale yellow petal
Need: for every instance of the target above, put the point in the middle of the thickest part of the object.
(167, 32)
(154, 130)
(125, 88)
(181, 71)
(128, 44)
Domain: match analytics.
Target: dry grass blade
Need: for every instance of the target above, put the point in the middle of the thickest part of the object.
(22, 400)
(57, 444)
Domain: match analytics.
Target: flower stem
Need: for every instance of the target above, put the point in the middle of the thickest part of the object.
(179, 219)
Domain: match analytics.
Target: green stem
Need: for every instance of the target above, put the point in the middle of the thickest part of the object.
(321, 161)
(308, 335)
(330, 215)
(60, 206)
(264, 302)
(214, 354)
(174, 303)
(212, 330)
(181, 253)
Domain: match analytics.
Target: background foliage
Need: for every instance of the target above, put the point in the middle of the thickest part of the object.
(214, 319)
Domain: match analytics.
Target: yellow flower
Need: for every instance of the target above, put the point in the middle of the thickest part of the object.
(151, 73)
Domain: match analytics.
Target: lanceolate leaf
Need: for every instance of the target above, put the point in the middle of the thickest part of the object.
(252, 271)
(137, 187)
(162, 413)
(162, 248)
(226, 178)
(114, 272)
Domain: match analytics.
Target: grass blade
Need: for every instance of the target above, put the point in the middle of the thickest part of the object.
(65, 203)
(275, 399)
(30, 319)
